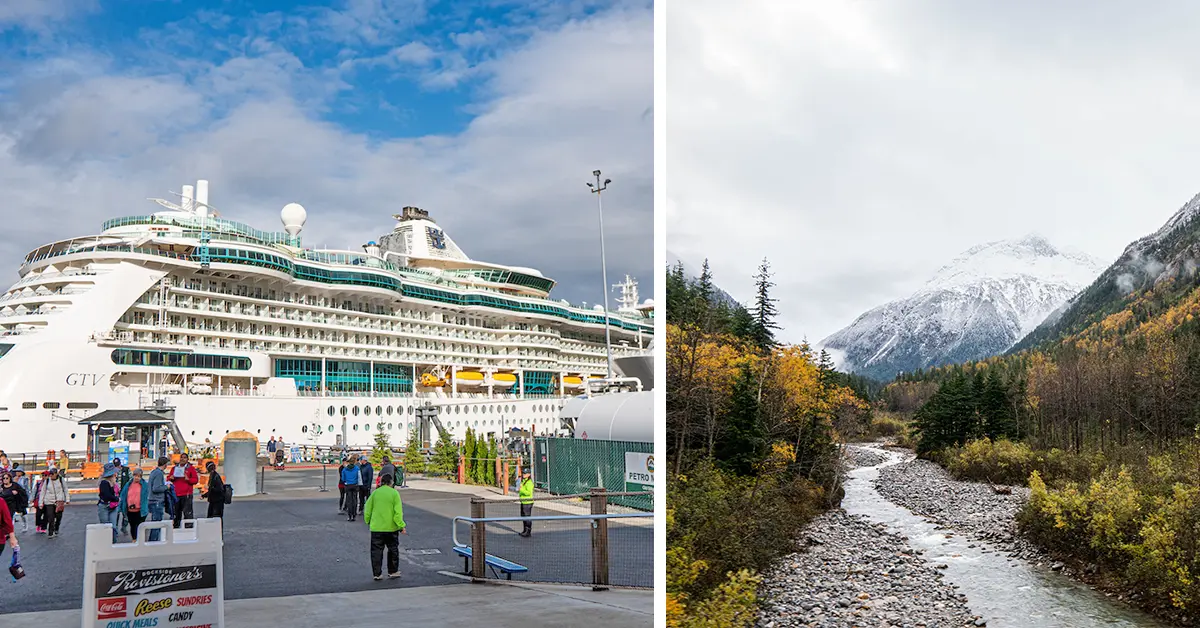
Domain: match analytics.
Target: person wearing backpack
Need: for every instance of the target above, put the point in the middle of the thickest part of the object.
(54, 499)
(214, 493)
(135, 502)
(160, 492)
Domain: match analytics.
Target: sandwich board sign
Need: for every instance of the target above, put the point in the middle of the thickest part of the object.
(177, 582)
(639, 471)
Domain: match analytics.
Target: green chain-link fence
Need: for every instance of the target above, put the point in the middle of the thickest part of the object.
(568, 466)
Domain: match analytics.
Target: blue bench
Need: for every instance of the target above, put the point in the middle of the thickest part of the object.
(507, 567)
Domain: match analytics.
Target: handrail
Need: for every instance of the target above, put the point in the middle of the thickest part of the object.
(454, 522)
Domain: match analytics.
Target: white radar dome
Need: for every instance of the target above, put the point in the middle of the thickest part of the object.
(293, 216)
(598, 308)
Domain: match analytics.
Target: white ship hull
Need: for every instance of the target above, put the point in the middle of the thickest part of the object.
(240, 329)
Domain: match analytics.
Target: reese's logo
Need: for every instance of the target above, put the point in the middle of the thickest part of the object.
(145, 607)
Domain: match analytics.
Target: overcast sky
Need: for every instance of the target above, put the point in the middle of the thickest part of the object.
(862, 145)
(491, 116)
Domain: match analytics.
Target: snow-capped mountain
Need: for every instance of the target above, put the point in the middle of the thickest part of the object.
(1171, 254)
(977, 306)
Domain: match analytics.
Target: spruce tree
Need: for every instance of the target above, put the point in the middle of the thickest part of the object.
(764, 312)
(742, 445)
(445, 455)
(414, 460)
(383, 446)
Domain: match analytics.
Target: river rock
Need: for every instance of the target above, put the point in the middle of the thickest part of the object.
(837, 584)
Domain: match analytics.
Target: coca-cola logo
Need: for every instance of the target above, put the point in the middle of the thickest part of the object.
(110, 608)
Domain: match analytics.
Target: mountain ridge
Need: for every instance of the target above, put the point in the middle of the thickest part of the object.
(978, 305)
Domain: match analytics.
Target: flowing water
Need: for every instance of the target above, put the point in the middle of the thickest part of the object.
(1006, 593)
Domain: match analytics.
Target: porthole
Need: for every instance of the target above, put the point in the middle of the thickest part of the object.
(355, 411)
(330, 428)
(210, 432)
(72, 435)
(390, 426)
(356, 427)
(389, 410)
(410, 410)
(330, 410)
(304, 429)
(345, 410)
(258, 431)
(367, 410)
(379, 411)
(193, 433)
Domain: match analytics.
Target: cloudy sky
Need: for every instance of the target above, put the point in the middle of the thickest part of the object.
(862, 145)
(491, 117)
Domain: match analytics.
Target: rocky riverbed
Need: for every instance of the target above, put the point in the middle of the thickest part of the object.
(855, 573)
(974, 509)
(862, 457)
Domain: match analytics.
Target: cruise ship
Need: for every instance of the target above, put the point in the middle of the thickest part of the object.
(232, 328)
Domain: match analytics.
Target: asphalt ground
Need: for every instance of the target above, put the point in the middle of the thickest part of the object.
(292, 541)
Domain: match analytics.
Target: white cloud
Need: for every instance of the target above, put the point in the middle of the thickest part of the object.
(509, 188)
(39, 14)
(860, 146)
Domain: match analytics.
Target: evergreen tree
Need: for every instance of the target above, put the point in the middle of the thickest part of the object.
(762, 332)
(445, 456)
(383, 446)
(490, 478)
(414, 460)
(468, 452)
(741, 324)
(678, 295)
(704, 286)
(742, 445)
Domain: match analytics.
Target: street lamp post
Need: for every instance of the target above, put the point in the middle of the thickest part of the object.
(597, 189)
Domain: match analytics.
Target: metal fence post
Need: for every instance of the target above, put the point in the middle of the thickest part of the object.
(478, 540)
(599, 500)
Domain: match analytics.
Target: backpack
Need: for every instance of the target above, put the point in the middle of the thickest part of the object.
(228, 497)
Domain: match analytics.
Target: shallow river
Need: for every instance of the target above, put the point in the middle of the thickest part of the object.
(1005, 593)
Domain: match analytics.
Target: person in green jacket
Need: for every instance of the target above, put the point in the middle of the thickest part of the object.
(384, 515)
(526, 495)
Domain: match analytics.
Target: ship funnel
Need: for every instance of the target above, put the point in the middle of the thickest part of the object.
(189, 194)
(293, 217)
(202, 197)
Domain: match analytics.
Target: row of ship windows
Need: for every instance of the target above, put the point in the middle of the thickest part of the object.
(366, 427)
(54, 405)
(380, 410)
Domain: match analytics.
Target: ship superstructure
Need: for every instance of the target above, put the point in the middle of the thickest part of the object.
(242, 329)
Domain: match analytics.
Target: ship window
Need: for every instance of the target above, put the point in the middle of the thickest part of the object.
(389, 410)
(50, 405)
(29, 405)
(356, 427)
(345, 410)
(389, 426)
(304, 429)
(410, 409)
(330, 410)
(379, 410)
(330, 428)
(355, 411)
(82, 405)
(72, 435)
(367, 410)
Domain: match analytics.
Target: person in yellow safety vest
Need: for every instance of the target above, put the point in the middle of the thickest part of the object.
(526, 496)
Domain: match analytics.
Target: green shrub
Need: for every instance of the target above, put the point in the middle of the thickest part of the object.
(887, 426)
(999, 462)
(730, 523)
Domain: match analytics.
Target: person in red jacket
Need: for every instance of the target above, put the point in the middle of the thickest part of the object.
(184, 478)
(8, 534)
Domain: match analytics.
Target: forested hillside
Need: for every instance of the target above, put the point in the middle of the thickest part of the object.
(1105, 428)
(753, 429)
